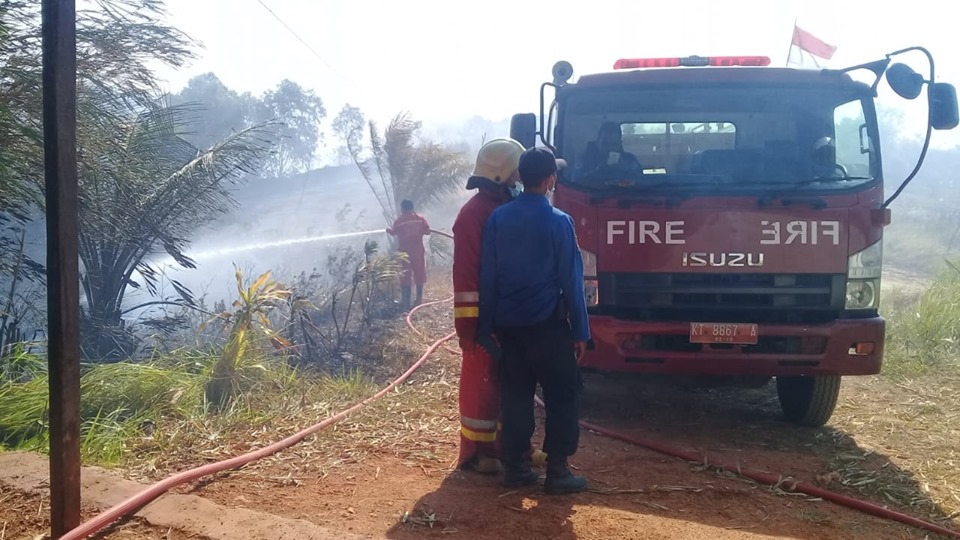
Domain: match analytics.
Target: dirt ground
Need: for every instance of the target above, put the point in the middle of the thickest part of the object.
(639, 494)
(26, 517)
(398, 488)
(388, 472)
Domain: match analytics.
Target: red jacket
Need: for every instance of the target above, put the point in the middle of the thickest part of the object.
(467, 234)
(410, 228)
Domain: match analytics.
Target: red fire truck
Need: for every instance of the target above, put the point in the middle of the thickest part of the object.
(730, 215)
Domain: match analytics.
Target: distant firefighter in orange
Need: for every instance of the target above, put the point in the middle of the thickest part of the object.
(409, 229)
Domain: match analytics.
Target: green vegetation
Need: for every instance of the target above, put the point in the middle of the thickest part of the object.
(247, 381)
(923, 333)
(126, 405)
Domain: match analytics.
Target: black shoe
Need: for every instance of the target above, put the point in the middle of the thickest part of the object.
(520, 475)
(560, 480)
(561, 485)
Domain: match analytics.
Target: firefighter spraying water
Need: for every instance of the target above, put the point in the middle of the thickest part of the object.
(409, 229)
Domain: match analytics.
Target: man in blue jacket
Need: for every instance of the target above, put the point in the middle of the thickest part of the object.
(532, 301)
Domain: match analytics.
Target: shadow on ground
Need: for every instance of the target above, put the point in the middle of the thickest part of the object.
(642, 494)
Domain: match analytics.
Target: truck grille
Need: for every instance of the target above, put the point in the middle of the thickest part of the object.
(721, 297)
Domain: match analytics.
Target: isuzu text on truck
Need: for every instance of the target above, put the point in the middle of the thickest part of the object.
(730, 215)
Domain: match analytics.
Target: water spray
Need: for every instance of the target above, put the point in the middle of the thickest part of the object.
(281, 243)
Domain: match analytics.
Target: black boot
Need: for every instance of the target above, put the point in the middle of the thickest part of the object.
(405, 298)
(519, 474)
(559, 478)
(419, 295)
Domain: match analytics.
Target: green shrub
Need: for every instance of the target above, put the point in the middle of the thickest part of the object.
(924, 335)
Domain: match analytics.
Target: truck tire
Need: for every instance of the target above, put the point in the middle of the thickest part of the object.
(808, 401)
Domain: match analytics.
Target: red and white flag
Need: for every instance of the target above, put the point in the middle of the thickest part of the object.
(812, 44)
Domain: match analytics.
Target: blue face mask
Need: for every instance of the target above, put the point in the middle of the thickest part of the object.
(514, 191)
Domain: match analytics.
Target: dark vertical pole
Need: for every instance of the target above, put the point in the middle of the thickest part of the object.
(63, 283)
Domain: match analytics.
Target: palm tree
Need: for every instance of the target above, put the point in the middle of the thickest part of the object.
(118, 43)
(400, 165)
(144, 190)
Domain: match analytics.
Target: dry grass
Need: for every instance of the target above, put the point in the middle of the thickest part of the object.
(898, 434)
(907, 433)
(410, 422)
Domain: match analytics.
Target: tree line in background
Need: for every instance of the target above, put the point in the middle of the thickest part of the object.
(395, 161)
(154, 167)
(223, 111)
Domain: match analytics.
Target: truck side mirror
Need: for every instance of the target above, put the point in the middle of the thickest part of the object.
(523, 129)
(906, 82)
(944, 113)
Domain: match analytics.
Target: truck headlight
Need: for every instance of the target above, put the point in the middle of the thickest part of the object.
(863, 277)
(590, 284)
(866, 264)
(863, 293)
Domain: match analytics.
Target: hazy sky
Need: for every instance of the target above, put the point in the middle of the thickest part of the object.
(445, 61)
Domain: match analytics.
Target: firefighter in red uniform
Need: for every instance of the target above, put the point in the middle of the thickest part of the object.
(409, 229)
(495, 178)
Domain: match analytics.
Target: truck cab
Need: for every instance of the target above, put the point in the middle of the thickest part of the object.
(730, 216)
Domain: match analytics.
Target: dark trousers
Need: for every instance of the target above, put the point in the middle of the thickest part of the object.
(544, 354)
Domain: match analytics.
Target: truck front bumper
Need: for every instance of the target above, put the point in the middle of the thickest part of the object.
(842, 347)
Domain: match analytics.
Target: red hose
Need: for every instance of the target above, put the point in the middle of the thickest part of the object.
(152, 492)
(772, 480)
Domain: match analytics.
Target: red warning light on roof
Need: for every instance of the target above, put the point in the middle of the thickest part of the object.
(633, 63)
(691, 61)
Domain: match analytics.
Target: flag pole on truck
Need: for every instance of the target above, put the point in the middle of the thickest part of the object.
(792, 39)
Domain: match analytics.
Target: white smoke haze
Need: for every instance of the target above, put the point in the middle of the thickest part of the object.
(283, 225)
(286, 226)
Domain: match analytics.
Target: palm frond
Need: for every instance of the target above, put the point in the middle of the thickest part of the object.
(379, 163)
(400, 165)
(400, 148)
(436, 173)
(145, 189)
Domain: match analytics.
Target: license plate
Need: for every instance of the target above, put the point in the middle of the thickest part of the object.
(735, 333)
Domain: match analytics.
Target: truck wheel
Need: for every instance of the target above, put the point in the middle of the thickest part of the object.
(808, 401)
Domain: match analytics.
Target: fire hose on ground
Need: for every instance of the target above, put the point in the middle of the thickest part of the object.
(141, 499)
(154, 491)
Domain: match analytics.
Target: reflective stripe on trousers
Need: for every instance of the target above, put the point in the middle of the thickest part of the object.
(468, 311)
(487, 434)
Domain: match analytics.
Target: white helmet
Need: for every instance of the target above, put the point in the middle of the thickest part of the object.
(497, 161)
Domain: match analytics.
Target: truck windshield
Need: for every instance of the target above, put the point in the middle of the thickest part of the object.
(725, 139)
